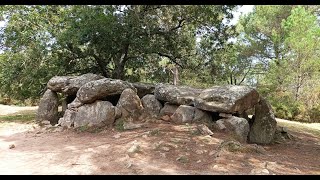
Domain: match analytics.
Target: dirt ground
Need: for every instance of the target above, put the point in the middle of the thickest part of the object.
(155, 149)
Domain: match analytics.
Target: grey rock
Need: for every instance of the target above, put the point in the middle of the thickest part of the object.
(264, 125)
(201, 116)
(151, 105)
(204, 130)
(166, 118)
(227, 99)
(70, 84)
(184, 114)
(129, 103)
(134, 148)
(68, 118)
(225, 115)
(220, 125)
(58, 83)
(168, 109)
(144, 88)
(180, 95)
(75, 104)
(118, 112)
(259, 171)
(48, 107)
(238, 126)
(101, 88)
(189, 114)
(96, 114)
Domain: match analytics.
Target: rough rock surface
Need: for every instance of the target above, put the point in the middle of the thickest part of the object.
(184, 114)
(48, 107)
(68, 118)
(238, 126)
(101, 88)
(75, 104)
(129, 103)
(151, 105)
(144, 88)
(168, 109)
(201, 116)
(227, 99)
(70, 84)
(180, 95)
(189, 114)
(264, 125)
(57, 83)
(97, 113)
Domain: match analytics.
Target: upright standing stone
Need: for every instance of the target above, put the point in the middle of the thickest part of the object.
(151, 105)
(129, 103)
(264, 125)
(48, 107)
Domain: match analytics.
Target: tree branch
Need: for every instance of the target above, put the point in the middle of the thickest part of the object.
(170, 57)
(245, 75)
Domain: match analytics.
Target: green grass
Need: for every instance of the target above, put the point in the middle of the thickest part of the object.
(22, 118)
(154, 132)
(90, 129)
(119, 124)
(183, 159)
(312, 128)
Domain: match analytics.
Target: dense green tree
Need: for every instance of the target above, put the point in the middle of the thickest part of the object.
(124, 42)
(285, 41)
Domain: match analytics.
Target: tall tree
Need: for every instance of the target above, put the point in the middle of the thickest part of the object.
(115, 41)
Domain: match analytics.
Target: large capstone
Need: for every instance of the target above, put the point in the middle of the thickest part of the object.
(99, 113)
(102, 88)
(180, 95)
(58, 83)
(71, 84)
(129, 103)
(48, 107)
(144, 88)
(227, 99)
(264, 124)
(151, 105)
(239, 127)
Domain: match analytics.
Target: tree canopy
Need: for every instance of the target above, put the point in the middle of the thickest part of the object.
(273, 48)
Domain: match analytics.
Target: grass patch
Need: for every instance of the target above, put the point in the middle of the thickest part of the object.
(154, 132)
(82, 128)
(312, 128)
(182, 159)
(119, 125)
(90, 129)
(22, 118)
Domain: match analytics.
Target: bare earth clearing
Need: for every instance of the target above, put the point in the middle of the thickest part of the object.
(159, 149)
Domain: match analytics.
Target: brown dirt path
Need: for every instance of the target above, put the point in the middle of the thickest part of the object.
(163, 149)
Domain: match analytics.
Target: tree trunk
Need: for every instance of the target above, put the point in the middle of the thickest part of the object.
(120, 64)
(298, 86)
(175, 75)
(119, 71)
